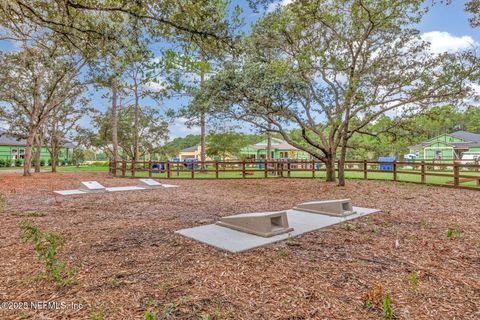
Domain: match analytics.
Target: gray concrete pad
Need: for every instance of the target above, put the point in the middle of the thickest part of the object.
(236, 241)
(69, 192)
(169, 185)
(127, 188)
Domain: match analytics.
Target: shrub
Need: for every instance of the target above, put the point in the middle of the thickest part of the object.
(149, 315)
(8, 162)
(18, 163)
(3, 202)
(42, 162)
(47, 245)
(413, 279)
(49, 162)
(100, 163)
(2, 163)
(387, 307)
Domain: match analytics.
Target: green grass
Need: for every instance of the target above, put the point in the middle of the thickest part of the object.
(255, 172)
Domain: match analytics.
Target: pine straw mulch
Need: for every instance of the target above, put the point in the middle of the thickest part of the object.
(130, 261)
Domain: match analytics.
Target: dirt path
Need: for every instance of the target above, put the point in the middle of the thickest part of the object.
(130, 261)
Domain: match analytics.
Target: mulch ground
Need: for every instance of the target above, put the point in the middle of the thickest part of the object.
(130, 261)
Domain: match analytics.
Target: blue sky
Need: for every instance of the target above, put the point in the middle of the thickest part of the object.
(446, 27)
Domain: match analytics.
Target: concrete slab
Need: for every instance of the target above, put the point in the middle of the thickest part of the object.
(236, 241)
(169, 185)
(149, 183)
(91, 186)
(69, 192)
(127, 188)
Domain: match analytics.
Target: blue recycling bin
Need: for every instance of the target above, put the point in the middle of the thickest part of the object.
(260, 166)
(388, 165)
(158, 167)
(318, 166)
(191, 163)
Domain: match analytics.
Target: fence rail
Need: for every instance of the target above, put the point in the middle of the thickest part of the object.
(454, 174)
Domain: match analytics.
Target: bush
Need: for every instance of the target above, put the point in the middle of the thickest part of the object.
(2, 163)
(8, 162)
(42, 162)
(49, 162)
(47, 245)
(100, 163)
(18, 163)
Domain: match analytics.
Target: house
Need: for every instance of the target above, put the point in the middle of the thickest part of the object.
(448, 146)
(280, 150)
(192, 153)
(13, 149)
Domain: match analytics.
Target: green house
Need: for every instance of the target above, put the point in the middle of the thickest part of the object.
(13, 149)
(280, 150)
(449, 146)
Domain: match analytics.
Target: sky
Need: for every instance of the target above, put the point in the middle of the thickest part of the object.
(446, 27)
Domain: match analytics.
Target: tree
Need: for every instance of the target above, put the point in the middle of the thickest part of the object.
(225, 144)
(153, 131)
(332, 67)
(36, 81)
(63, 123)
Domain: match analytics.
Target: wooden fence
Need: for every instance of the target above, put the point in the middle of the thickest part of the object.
(453, 174)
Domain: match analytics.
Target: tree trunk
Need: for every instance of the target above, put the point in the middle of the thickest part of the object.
(269, 142)
(135, 124)
(54, 157)
(341, 166)
(203, 129)
(114, 120)
(27, 163)
(38, 150)
(330, 167)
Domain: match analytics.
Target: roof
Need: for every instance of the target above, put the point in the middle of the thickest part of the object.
(10, 140)
(467, 136)
(190, 149)
(276, 144)
(470, 140)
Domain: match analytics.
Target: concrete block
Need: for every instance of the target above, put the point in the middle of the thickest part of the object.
(149, 183)
(91, 186)
(236, 241)
(264, 224)
(338, 208)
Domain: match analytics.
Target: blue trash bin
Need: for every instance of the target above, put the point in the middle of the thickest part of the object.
(318, 166)
(260, 166)
(156, 168)
(388, 165)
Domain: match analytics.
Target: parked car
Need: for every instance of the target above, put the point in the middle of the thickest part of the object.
(470, 157)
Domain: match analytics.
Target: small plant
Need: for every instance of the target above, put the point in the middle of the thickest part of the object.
(283, 252)
(150, 315)
(47, 245)
(3, 202)
(413, 280)
(371, 298)
(168, 310)
(387, 307)
(35, 214)
(453, 233)
(114, 281)
(349, 226)
(206, 317)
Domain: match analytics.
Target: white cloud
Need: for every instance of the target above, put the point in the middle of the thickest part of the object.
(274, 6)
(441, 41)
(179, 129)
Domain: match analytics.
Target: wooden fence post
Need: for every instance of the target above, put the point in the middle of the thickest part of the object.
(265, 168)
(365, 169)
(216, 169)
(313, 168)
(288, 170)
(134, 164)
(193, 169)
(422, 168)
(395, 171)
(124, 168)
(456, 173)
(168, 170)
(150, 168)
(243, 168)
